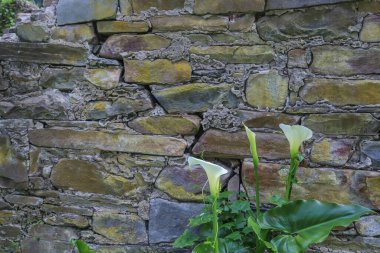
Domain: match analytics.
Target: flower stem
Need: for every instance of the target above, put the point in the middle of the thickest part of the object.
(215, 226)
(291, 175)
(257, 187)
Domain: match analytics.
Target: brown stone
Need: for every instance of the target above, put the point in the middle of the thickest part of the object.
(117, 141)
(227, 6)
(241, 23)
(266, 119)
(216, 143)
(168, 125)
(335, 152)
(156, 72)
(111, 27)
(343, 123)
(297, 58)
(66, 219)
(325, 184)
(117, 44)
(43, 53)
(188, 23)
(145, 5)
(341, 92)
(74, 33)
(345, 61)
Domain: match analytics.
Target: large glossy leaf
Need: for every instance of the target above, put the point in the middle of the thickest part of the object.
(307, 221)
(82, 246)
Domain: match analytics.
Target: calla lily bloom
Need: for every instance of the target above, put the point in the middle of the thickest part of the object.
(296, 135)
(213, 171)
(252, 144)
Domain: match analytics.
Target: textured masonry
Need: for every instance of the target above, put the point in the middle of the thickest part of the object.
(102, 101)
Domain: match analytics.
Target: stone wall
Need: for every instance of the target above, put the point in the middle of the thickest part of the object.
(103, 100)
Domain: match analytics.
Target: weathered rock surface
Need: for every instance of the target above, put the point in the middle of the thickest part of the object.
(335, 152)
(289, 4)
(297, 58)
(121, 228)
(111, 27)
(71, 11)
(105, 78)
(372, 150)
(168, 125)
(345, 61)
(24, 200)
(341, 92)
(226, 6)
(30, 32)
(343, 123)
(215, 143)
(371, 29)
(87, 177)
(267, 90)
(188, 23)
(169, 219)
(266, 119)
(13, 170)
(195, 97)
(329, 23)
(261, 54)
(43, 53)
(156, 72)
(368, 226)
(139, 5)
(74, 33)
(118, 141)
(117, 44)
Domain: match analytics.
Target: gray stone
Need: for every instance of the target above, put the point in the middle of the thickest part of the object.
(371, 29)
(266, 119)
(196, 97)
(24, 200)
(30, 32)
(38, 245)
(372, 150)
(169, 219)
(43, 53)
(74, 33)
(62, 79)
(118, 141)
(188, 23)
(11, 232)
(368, 226)
(329, 23)
(125, 7)
(66, 219)
(290, 4)
(72, 11)
(139, 5)
(121, 228)
(53, 233)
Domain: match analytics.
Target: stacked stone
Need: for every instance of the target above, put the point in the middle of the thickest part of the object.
(103, 100)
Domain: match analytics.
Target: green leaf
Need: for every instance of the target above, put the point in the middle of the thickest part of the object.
(204, 247)
(200, 219)
(277, 200)
(260, 234)
(239, 206)
(187, 239)
(307, 221)
(82, 246)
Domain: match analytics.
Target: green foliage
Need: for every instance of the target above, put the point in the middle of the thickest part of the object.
(82, 246)
(8, 9)
(234, 233)
(292, 226)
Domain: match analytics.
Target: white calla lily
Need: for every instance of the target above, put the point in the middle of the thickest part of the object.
(296, 134)
(213, 171)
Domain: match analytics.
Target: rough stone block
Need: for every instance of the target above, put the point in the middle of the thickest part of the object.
(169, 219)
(125, 7)
(72, 11)
(121, 228)
(227, 6)
(195, 97)
(341, 92)
(43, 53)
(30, 32)
(139, 5)
(104, 78)
(216, 143)
(371, 29)
(261, 54)
(266, 119)
(74, 33)
(368, 226)
(119, 141)
(188, 23)
(156, 72)
(167, 125)
(241, 23)
(290, 4)
(343, 123)
(329, 23)
(372, 150)
(117, 44)
(111, 27)
(267, 90)
(345, 61)
(335, 152)
(297, 58)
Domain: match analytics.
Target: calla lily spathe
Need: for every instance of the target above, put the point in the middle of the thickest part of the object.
(296, 134)
(252, 144)
(213, 171)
